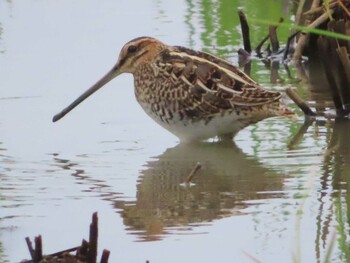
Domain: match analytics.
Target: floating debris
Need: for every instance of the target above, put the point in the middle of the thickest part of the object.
(85, 253)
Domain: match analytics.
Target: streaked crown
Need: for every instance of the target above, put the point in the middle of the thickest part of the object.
(141, 50)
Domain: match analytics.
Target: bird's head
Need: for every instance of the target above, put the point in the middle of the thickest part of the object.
(136, 52)
(139, 51)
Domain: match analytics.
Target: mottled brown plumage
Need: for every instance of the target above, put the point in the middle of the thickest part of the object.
(192, 94)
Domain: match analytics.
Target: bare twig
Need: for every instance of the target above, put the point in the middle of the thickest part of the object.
(83, 249)
(322, 18)
(343, 7)
(38, 252)
(245, 31)
(301, 104)
(92, 255)
(86, 252)
(319, 9)
(258, 48)
(30, 247)
(63, 252)
(273, 37)
(272, 32)
(315, 3)
(304, 37)
(105, 256)
(299, 11)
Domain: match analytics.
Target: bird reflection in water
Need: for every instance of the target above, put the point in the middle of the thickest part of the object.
(227, 180)
(230, 183)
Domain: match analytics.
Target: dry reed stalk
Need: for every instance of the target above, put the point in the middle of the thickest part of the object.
(304, 37)
(105, 256)
(344, 89)
(273, 38)
(323, 47)
(245, 31)
(298, 101)
(92, 254)
(319, 9)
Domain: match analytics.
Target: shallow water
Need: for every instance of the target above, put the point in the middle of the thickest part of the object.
(280, 192)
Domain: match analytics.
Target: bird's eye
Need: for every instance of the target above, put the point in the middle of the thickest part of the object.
(132, 49)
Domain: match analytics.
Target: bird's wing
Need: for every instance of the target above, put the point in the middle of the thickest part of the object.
(213, 82)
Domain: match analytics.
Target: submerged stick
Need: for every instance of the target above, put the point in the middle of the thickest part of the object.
(83, 249)
(298, 101)
(105, 256)
(92, 254)
(258, 47)
(245, 31)
(273, 37)
(193, 172)
(38, 252)
(30, 247)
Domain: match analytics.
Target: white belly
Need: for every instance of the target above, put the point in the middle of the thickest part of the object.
(187, 130)
(194, 131)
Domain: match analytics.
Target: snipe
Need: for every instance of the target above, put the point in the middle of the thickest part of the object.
(192, 94)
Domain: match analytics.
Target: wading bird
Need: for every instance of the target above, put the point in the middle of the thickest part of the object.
(192, 94)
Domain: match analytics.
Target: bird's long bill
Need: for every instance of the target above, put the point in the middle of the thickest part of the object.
(99, 84)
